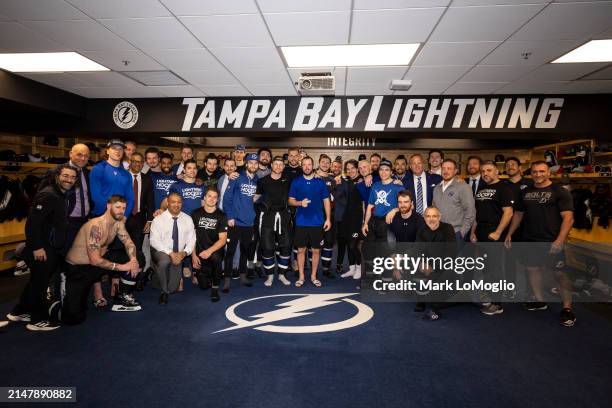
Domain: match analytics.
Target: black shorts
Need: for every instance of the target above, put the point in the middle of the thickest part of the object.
(275, 228)
(308, 237)
(547, 260)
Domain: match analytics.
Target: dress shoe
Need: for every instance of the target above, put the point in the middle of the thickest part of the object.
(163, 299)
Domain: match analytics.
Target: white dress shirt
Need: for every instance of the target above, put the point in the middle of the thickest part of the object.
(161, 233)
(423, 185)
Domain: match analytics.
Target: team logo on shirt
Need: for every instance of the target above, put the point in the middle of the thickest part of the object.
(125, 115)
(207, 223)
(164, 184)
(485, 194)
(381, 198)
(300, 305)
(248, 189)
(542, 197)
(192, 193)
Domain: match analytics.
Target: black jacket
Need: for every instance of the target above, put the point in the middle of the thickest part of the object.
(147, 206)
(46, 224)
(72, 194)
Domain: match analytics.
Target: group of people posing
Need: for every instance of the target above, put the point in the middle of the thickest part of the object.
(140, 217)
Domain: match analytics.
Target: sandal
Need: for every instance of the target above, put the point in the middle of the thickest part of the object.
(299, 283)
(316, 282)
(100, 303)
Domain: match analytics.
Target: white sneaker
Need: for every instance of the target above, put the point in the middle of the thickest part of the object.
(269, 280)
(21, 269)
(357, 274)
(284, 279)
(348, 273)
(24, 317)
(4, 323)
(44, 325)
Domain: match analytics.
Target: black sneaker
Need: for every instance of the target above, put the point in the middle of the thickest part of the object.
(492, 309)
(235, 274)
(431, 315)
(214, 295)
(250, 273)
(533, 306)
(15, 317)
(43, 325)
(419, 307)
(126, 303)
(567, 317)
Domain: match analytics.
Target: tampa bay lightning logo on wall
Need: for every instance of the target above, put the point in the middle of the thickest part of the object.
(300, 305)
(125, 115)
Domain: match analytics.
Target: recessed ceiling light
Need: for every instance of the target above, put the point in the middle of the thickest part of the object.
(48, 62)
(593, 51)
(349, 55)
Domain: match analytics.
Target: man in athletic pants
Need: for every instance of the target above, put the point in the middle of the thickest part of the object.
(329, 236)
(274, 222)
(90, 258)
(211, 236)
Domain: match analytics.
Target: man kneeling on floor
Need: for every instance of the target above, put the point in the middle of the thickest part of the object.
(89, 259)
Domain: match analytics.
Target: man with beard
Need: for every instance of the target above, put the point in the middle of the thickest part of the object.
(311, 197)
(336, 168)
(229, 167)
(239, 207)
(399, 167)
(349, 216)
(210, 173)
(187, 153)
(265, 157)
(90, 258)
(238, 155)
(162, 181)
(403, 221)
(45, 232)
(329, 236)
(547, 213)
(436, 156)
(274, 222)
(493, 215)
(473, 170)
(152, 158)
(187, 188)
(374, 165)
(292, 169)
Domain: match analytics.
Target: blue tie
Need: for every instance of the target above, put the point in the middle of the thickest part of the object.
(175, 236)
(474, 187)
(419, 196)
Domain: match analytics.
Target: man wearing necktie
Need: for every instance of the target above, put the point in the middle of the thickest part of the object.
(172, 239)
(473, 170)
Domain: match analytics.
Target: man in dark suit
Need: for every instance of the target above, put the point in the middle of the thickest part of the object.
(473, 170)
(139, 220)
(421, 183)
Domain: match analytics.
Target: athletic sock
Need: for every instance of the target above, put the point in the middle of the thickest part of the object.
(269, 280)
(283, 279)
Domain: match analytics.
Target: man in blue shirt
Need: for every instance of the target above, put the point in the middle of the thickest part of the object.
(188, 189)
(383, 198)
(109, 178)
(311, 196)
(240, 209)
(162, 181)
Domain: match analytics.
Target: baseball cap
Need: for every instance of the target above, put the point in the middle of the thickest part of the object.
(278, 158)
(252, 156)
(385, 162)
(240, 147)
(116, 142)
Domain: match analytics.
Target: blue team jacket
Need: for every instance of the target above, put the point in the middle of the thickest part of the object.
(238, 200)
(106, 180)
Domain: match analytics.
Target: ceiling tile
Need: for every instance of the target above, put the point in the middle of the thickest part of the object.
(80, 35)
(496, 73)
(273, 90)
(461, 3)
(210, 7)
(454, 53)
(121, 8)
(570, 21)
(39, 10)
(284, 6)
(563, 72)
(367, 88)
(493, 23)
(152, 33)
(207, 77)
(425, 88)
(122, 92)
(332, 27)
(225, 90)
(589, 87)
(248, 57)
(59, 80)
(28, 40)
(113, 60)
(397, 4)
(394, 26)
(179, 91)
(101, 79)
(603, 35)
(244, 30)
(445, 73)
(382, 75)
(473, 88)
(268, 75)
(185, 59)
(605, 73)
(540, 52)
(533, 87)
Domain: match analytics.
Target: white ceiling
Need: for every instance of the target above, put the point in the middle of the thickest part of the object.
(230, 47)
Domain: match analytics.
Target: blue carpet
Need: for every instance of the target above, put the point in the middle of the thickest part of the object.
(168, 356)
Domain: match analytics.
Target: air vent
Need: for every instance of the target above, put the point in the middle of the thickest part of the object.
(155, 78)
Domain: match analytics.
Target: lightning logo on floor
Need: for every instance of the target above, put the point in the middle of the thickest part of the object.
(302, 306)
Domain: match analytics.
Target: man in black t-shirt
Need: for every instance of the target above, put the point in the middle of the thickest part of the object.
(211, 236)
(405, 223)
(493, 215)
(547, 213)
(210, 173)
(274, 222)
